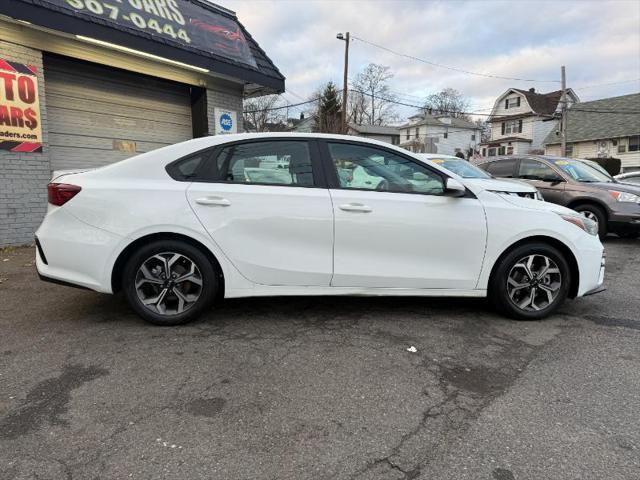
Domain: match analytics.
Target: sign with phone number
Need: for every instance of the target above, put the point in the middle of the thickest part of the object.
(179, 21)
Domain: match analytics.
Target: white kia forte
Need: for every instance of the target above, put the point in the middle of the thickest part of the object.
(306, 214)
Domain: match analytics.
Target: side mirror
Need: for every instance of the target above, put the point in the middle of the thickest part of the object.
(553, 180)
(453, 188)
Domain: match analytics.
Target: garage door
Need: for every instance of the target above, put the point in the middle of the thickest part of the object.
(99, 115)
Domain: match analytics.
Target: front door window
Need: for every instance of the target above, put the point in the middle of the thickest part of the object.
(361, 167)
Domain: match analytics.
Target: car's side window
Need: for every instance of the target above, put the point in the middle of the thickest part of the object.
(186, 168)
(268, 162)
(368, 168)
(535, 170)
(501, 168)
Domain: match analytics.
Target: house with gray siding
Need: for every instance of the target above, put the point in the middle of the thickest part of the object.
(609, 127)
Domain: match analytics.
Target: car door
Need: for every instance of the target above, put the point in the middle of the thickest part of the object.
(400, 230)
(544, 178)
(265, 204)
(505, 168)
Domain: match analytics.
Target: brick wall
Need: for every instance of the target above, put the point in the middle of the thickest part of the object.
(24, 176)
(224, 98)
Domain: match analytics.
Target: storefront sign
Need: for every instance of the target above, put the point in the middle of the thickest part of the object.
(20, 128)
(225, 121)
(174, 21)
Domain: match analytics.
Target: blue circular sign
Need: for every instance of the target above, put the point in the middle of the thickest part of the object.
(226, 122)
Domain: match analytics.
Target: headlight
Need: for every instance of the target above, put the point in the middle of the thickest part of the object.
(584, 223)
(624, 196)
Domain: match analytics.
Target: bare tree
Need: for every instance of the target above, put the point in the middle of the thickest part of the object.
(371, 98)
(485, 129)
(259, 114)
(447, 101)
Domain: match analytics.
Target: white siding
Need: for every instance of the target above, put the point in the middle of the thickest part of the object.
(540, 130)
(499, 109)
(593, 149)
(458, 139)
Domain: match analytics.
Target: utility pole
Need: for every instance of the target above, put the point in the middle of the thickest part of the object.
(563, 118)
(345, 37)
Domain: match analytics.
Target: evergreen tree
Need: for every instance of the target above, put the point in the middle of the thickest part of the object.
(329, 114)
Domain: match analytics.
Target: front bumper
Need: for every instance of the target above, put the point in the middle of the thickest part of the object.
(591, 259)
(625, 216)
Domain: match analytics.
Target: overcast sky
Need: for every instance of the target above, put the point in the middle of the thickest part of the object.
(597, 41)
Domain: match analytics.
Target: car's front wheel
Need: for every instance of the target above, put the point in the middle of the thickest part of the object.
(596, 214)
(169, 282)
(530, 282)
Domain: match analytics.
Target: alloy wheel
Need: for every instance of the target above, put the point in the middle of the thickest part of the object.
(534, 282)
(168, 283)
(590, 215)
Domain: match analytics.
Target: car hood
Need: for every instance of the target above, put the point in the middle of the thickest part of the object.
(531, 204)
(502, 185)
(619, 186)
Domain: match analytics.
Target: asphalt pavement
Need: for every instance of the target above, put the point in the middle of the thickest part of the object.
(319, 388)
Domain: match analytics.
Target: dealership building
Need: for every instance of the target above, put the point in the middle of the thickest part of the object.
(84, 83)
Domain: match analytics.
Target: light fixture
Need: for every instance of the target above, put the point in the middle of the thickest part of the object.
(140, 53)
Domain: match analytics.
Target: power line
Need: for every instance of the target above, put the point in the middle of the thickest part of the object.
(607, 84)
(421, 107)
(455, 69)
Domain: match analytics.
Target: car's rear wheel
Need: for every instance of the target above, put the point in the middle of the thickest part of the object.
(169, 282)
(530, 282)
(595, 213)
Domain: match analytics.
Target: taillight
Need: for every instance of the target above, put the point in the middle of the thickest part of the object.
(61, 193)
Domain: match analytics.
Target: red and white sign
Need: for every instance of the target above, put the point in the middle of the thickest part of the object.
(20, 120)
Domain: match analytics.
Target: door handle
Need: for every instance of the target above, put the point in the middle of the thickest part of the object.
(219, 201)
(355, 207)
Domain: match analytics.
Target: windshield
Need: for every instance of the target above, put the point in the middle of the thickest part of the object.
(580, 171)
(461, 167)
(598, 167)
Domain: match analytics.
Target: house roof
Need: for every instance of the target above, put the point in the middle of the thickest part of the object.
(374, 129)
(215, 39)
(433, 121)
(540, 103)
(600, 119)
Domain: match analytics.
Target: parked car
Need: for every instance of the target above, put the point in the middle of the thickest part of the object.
(629, 177)
(477, 176)
(614, 206)
(184, 225)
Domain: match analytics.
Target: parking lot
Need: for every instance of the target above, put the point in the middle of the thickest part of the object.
(318, 388)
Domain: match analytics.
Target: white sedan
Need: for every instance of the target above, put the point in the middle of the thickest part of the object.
(280, 214)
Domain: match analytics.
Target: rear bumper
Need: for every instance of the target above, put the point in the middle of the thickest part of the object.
(72, 252)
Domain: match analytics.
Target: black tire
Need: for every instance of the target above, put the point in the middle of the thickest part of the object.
(498, 291)
(596, 212)
(208, 276)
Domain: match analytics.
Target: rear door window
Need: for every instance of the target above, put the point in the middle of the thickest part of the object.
(285, 163)
(501, 168)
